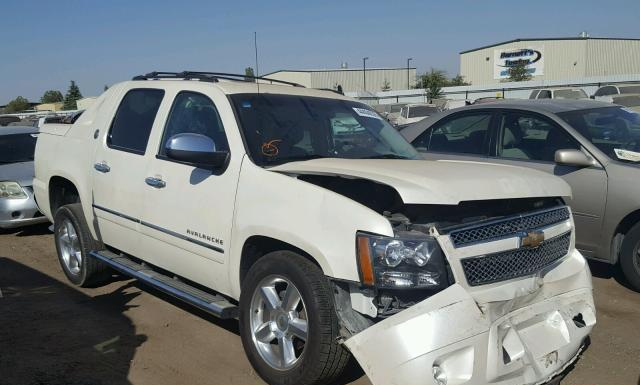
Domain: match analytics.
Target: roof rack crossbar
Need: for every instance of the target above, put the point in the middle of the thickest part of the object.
(208, 76)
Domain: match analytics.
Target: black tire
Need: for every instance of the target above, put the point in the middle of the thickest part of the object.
(630, 257)
(322, 359)
(91, 271)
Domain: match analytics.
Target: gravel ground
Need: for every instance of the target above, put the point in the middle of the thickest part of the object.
(125, 333)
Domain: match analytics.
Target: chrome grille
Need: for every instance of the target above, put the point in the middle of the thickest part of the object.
(483, 232)
(515, 263)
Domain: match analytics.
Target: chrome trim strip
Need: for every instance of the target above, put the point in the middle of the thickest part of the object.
(161, 229)
(460, 228)
(212, 308)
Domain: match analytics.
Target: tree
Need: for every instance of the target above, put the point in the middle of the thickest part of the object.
(386, 85)
(72, 96)
(16, 105)
(458, 80)
(248, 74)
(519, 73)
(433, 81)
(52, 96)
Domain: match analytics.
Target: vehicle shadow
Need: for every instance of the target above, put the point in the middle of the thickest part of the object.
(52, 334)
(39, 229)
(608, 271)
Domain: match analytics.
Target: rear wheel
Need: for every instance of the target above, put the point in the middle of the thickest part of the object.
(288, 324)
(630, 257)
(73, 244)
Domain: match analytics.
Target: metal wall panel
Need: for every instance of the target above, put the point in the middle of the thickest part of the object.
(351, 80)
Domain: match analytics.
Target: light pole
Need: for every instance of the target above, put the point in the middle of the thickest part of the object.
(364, 72)
(408, 73)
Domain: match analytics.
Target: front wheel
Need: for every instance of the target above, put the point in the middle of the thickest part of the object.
(630, 257)
(288, 323)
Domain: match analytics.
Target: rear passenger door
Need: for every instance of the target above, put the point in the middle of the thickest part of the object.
(187, 218)
(464, 136)
(531, 140)
(119, 167)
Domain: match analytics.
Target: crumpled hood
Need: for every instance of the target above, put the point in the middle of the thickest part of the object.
(444, 182)
(22, 173)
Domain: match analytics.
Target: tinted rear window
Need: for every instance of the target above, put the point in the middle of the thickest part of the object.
(133, 121)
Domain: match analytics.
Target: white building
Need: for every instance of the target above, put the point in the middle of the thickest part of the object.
(350, 79)
(552, 59)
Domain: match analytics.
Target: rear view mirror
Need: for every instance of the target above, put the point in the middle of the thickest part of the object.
(196, 150)
(574, 158)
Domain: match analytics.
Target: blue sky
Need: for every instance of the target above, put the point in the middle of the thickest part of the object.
(45, 44)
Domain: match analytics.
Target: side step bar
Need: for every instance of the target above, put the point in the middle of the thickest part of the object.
(211, 303)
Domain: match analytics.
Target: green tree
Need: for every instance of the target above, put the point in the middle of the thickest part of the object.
(16, 105)
(519, 73)
(248, 74)
(72, 96)
(433, 81)
(52, 96)
(458, 80)
(386, 85)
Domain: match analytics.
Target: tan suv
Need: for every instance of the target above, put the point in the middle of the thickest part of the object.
(594, 146)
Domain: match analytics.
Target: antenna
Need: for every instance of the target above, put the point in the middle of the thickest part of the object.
(255, 45)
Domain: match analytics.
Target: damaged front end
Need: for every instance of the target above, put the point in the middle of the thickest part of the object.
(469, 299)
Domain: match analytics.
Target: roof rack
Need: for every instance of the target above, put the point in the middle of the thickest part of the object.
(207, 77)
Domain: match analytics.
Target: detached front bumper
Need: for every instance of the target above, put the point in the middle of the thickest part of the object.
(525, 341)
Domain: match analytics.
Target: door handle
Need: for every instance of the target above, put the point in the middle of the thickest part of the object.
(102, 167)
(155, 182)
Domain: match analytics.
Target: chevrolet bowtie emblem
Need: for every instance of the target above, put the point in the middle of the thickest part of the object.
(532, 238)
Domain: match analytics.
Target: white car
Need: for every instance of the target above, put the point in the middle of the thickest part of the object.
(559, 93)
(304, 214)
(412, 113)
(605, 93)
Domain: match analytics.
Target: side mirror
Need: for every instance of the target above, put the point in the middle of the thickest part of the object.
(196, 150)
(574, 158)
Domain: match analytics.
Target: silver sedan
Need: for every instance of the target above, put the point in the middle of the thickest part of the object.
(17, 204)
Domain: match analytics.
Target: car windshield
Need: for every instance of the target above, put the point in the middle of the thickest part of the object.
(284, 128)
(629, 89)
(614, 130)
(17, 148)
(418, 111)
(570, 94)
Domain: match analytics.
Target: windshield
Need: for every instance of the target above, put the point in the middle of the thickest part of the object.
(570, 94)
(629, 89)
(284, 128)
(614, 130)
(418, 111)
(17, 148)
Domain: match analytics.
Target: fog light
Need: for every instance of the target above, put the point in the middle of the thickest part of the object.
(439, 375)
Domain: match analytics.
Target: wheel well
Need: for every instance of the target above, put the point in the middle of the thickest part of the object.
(257, 246)
(623, 227)
(61, 192)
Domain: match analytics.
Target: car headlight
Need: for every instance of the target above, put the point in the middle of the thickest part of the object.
(406, 261)
(11, 190)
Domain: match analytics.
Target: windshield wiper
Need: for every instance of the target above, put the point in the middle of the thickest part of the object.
(386, 156)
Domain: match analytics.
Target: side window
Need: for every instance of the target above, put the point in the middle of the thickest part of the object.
(544, 94)
(608, 90)
(528, 137)
(459, 134)
(133, 121)
(534, 94)
(194, 113)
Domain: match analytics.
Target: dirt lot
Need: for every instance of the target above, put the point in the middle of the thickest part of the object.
(124, 333)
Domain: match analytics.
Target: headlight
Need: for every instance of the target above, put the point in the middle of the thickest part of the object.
(406, 261)
(11, 190)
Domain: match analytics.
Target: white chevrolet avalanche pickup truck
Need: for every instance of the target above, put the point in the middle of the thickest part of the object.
(305, 215)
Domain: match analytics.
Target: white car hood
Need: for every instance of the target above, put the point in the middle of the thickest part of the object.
(443, 182)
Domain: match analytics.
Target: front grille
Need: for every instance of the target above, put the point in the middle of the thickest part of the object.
(515, 263)
(483, 232)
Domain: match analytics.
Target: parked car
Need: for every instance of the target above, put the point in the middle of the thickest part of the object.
(631, 101)
(487, 99)
(605, 93)
(307, 216)
(559, 93)
(415, 112)
(17, 205)
(594, 146)
(6, 119)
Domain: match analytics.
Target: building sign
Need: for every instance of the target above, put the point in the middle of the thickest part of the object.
(532, 58)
